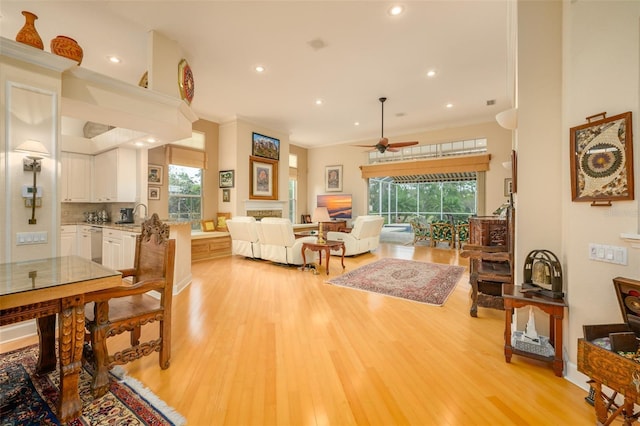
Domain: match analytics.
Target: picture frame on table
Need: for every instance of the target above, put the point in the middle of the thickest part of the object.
(155, 174)
(333, 178)
(263, 178)
(265, 146)
(226, 179)
(154, 193)
(602, 160)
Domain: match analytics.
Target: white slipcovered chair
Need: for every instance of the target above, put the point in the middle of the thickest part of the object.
(279, 244)
(364, 236)
(244, 236)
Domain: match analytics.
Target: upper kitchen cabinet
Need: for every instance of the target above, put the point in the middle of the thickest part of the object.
(114, 176)
(75, 177)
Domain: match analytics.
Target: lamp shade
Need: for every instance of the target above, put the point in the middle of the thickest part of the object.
(33, 148)
(508, 119)
(320, 214)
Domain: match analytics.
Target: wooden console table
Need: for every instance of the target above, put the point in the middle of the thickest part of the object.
(320, 247)
(514, 298)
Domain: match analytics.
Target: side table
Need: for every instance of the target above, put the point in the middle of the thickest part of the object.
(515, 298)
(320, 247)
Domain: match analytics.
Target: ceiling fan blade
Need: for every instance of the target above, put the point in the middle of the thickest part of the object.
(391, 149)
(399, 144)
(365, 146)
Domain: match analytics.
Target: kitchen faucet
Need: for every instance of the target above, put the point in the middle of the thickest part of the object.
(135, 209)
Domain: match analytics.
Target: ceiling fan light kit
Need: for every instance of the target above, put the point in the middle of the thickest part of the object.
(383, 144)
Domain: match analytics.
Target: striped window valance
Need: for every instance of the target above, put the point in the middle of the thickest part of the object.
(462, 165)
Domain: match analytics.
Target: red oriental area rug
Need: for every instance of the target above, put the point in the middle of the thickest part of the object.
(430, 283)
(29, 399)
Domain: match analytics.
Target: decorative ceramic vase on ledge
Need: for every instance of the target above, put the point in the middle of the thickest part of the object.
(67, 47)
(28, 34)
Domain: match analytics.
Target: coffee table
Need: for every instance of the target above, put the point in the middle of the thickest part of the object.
(320, 247)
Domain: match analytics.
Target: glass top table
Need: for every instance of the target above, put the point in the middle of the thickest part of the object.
(43, 289)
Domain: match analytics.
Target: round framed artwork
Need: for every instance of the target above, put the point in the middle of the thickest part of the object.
(185, 81)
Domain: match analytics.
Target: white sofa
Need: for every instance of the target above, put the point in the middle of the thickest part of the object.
(364, 236)
(279, 244)
(244, 236)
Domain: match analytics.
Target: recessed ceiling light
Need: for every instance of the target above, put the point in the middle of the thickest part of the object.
(449, 105)
(114, 59)
(139, 143)
(319, 102)
(357, 123)
(151, 140)
(260, 68)
(431, 73)
(396, 10)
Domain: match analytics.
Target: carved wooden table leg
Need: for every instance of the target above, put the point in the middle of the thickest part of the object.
(508, 352)
(70, 342)
(47, 344)
(327, 251)
(473, 279)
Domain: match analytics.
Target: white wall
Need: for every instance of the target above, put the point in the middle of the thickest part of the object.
(351, 158)
(601, 73)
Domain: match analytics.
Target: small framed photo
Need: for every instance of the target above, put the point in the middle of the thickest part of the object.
(307, 218)
(226, 178)
(333, 178)
(226, 195)
(263, 179)
(154, 193)
(155, 175)
(508, 187)
(265, 146)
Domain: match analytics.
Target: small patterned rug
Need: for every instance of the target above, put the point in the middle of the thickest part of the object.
(430, 283)
(29, 399)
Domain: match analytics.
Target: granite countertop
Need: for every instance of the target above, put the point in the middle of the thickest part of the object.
(132, 227)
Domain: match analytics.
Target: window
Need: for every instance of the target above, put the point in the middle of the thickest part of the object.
(185, 194)
(293, 191)
(397, 202)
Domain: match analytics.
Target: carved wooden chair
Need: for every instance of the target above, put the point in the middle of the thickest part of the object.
(129, 307)
(490, 264)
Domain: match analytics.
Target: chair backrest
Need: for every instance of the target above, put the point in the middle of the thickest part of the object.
(243, 228)
(276, 231)
(155, 254)
(367, 226)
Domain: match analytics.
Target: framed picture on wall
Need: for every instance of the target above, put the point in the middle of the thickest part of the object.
(226, 178)
(333, 178)
(226, 195)
(155, 175)
(265, 146)
(602, 159)
(154, 193)
(263, 178)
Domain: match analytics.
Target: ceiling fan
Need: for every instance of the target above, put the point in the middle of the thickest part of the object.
(383, 144)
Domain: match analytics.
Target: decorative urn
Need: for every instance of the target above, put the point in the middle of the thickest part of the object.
(67, 47)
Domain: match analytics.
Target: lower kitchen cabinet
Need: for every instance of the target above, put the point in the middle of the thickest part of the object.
(112, 248)
(68, 237)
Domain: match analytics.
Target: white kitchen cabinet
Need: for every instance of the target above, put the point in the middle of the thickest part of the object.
(114, 176)
(84, 242)
(128, 248)
(68, 240)
(112, 248)
(75, 177)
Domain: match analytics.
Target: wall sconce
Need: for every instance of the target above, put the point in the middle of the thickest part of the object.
(508, 119)
(36, 151)
(320, 214)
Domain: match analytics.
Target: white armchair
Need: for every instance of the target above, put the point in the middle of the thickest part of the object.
(364, 236)
(279, 244)
(244, 236)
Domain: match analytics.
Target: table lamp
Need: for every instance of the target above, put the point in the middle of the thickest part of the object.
(320, 214)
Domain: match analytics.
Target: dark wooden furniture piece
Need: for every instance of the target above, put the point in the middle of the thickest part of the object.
(40, 289)
(334, 225)
(490, 253)
(320, 247)
(598, 358)
(128, 307)
(515, 298)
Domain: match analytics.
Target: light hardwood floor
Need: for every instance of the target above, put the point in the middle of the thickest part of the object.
(256, 343)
